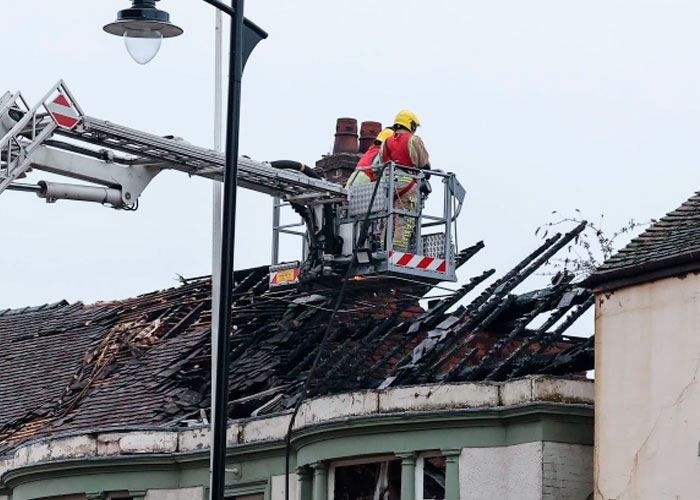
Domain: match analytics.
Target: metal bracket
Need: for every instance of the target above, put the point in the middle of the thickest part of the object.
(129, 180)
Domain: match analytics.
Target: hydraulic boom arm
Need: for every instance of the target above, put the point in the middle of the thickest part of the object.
(118, 160)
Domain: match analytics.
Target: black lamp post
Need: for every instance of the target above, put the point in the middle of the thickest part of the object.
(144, 23)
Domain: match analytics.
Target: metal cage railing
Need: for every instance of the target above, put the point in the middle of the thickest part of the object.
(426, 254)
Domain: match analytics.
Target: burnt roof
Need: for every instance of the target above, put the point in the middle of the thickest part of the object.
(670, 246)
(145, 361)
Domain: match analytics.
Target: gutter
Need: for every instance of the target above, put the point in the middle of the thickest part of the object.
(613, 279)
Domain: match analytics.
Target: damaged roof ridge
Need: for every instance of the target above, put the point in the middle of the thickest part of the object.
(33, 309)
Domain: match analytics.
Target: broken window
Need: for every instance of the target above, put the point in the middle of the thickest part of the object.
(368, 481)
(431, 475)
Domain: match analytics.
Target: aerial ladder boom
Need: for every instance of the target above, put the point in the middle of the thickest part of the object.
(120, 158)
(114, 164)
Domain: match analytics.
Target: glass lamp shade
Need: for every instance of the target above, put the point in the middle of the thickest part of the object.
(143, 28)
(142, 45)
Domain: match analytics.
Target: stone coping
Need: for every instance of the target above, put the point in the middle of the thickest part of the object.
(415, 399)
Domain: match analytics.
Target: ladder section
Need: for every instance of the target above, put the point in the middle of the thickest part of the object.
(194, 160)
(23, 129)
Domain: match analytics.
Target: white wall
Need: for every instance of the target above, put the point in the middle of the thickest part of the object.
(196, 493)
(647, 423)
(501, 473)
(277, 487)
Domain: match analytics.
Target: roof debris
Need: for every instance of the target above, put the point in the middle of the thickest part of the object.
(146, 360)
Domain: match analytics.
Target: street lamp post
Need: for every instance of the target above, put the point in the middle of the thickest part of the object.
(143, 27)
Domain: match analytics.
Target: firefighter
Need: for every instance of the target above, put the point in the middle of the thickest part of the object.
(367, 166)
(404, 147)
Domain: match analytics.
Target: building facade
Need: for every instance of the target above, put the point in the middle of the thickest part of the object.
(525, 439)
(647, 359)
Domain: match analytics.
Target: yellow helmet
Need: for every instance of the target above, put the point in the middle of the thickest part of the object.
(384, 135)
(407, 119)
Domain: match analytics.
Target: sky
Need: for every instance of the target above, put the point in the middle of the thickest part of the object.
(537, 106)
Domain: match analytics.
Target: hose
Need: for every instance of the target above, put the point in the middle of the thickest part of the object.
(295, 165)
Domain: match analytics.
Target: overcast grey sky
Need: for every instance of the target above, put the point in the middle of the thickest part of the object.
(538, 106)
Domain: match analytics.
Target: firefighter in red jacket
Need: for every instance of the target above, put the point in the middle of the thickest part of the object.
(404, 147)
(368, 165)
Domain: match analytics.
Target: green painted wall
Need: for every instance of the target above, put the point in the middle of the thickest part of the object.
(256, 463)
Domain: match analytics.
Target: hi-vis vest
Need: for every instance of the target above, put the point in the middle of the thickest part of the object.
(367, 158)
(397, 149)
(363, 171)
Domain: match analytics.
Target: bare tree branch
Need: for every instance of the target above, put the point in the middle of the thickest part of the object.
(591, 247)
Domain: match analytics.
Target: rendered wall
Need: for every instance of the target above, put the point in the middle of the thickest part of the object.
(647, 423)
(530, 471)
(196, 493)
(501, 473)
(277, 487)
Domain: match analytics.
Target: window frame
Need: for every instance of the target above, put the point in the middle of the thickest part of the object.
(354, 461)
(419, 472)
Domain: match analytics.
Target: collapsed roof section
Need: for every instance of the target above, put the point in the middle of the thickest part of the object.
(146, 361)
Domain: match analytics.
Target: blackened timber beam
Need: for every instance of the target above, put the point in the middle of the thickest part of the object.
(381, 328)
(543, 303)
(552, 336)
(577, 358)
(540, 333)
(516, 276)
(482, 299)
(467, 253)
(495, 313)
(428, 320)
(434, 315)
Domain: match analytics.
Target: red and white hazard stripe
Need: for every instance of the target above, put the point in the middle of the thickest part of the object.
(413, 261)
(61, 111)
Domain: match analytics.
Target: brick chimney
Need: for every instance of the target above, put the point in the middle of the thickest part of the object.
(338, 166)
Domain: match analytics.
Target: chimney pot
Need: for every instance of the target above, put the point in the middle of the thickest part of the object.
(368, 132)
(345, 136)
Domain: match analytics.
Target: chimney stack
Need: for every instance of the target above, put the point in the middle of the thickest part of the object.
(368, 132)
(345, 136)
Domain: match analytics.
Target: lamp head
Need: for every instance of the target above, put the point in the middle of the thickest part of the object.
(143, 27)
